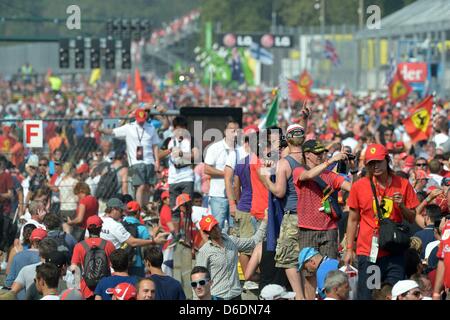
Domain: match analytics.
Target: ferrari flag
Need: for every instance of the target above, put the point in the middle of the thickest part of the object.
(419, 124)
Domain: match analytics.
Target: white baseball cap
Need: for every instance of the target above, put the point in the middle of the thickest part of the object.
(275, 292)
(402, 287)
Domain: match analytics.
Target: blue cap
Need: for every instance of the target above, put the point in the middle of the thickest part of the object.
(306, 254)
(156, 123)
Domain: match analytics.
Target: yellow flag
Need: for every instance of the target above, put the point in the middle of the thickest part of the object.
(95, 76)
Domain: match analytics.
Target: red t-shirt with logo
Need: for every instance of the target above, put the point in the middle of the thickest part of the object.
(361, 199)
(444, 253)
(260, 194)
(91, 205)
(310, 200)
(78, 259)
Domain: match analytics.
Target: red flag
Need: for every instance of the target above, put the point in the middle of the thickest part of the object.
(399, 89)
(333, 120)
(305, 80)
(139, 88)
(296, 92)
(419, 124)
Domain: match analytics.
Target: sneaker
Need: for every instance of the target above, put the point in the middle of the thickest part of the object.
(250, 285)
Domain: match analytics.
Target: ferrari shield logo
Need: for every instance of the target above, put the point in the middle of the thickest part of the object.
(399, 89)
(420, 119)
(386, 207)
(141, 114)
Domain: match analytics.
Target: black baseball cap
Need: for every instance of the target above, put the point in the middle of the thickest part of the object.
(57, 258)
(314, 146)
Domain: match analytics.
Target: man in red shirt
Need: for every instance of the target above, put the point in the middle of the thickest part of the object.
(94, 226)
(397, 201)
(6, 187)
(317, 216)
(318, 225)
(443, 268)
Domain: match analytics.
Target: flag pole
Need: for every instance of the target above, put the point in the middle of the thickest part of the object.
(433, 113)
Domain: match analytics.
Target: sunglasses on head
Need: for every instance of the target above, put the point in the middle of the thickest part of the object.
(200, 283)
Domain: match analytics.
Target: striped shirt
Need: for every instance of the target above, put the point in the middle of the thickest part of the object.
(222, 263)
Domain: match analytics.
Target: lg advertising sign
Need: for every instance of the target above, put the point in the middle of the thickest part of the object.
(33, 134)
(413, 72)
(267, 40)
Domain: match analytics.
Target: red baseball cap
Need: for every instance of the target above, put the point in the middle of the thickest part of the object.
(83, 168)
(141, 115)
(207, 223)
(94, 221)
(375, 152)
(133, 206)
(410, 162)
(165, 195)
(389, 146)
(123, 291)
(181, 199)
(38, 234)
(399, 145)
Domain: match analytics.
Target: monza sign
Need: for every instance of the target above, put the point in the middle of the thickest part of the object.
(265, 40)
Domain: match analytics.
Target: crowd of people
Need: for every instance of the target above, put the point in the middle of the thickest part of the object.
(333, 203)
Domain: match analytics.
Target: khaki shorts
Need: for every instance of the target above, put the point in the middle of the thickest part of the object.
(286, 253)
(243, 227)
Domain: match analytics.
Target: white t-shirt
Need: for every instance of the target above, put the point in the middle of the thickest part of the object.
(137, 136)
(436, 178)
(25, 187)
(27, 274)
(67, 198)
(114, 231)
(50, 297)
(197, 214)
(185, 174)
(216, 157)
(440, 138)
(231, 159)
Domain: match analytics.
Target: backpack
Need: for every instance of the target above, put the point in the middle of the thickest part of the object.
(107, 186)
(95, 265)
(132, 252)
(60, 239)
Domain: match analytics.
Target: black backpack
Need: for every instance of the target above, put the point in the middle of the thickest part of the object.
(60, 239)
(95, 265)
(132, 252)
(108, 185)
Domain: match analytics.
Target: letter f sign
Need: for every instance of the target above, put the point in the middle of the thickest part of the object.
(33, 134)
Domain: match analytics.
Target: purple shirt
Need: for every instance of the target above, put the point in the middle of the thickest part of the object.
(242, 170)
